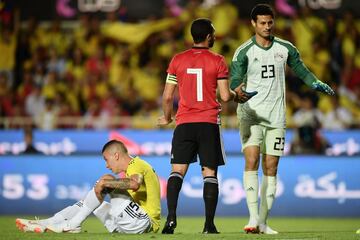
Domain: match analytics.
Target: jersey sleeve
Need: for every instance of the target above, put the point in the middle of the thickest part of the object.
(238, 69)
(223, 72)
(297, 65)
(172, 67)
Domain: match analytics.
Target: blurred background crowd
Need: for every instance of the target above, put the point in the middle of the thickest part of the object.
(109, 72)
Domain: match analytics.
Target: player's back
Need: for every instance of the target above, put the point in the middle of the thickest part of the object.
(197, 71)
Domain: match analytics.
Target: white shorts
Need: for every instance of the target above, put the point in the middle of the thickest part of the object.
(270, 140)
(122, 215)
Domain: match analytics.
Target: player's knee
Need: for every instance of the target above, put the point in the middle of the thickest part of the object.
(179, 170)
(208, 171)
(270, 171)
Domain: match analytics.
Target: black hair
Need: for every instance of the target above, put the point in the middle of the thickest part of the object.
(261, 9)
(200, 28)
(114, 142)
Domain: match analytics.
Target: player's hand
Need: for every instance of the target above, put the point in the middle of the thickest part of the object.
(322, 87)
(242, 95)
(162, 121)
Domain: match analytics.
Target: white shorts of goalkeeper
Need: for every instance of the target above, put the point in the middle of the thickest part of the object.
(122, 215)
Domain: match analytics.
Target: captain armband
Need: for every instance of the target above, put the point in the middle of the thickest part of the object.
(170, 78)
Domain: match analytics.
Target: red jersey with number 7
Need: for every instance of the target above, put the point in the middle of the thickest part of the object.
(196, 71)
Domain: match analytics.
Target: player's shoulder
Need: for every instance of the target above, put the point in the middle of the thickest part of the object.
(140, 162)
(243, 48)
(183, 53)
(284, 42)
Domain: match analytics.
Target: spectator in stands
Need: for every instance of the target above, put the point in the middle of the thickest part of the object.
(308, 140)
(29, 144)
(339, 118)
(34, 102)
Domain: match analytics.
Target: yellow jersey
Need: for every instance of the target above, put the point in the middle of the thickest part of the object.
(148, 194)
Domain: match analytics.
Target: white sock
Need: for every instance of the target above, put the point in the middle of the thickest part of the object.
(267, 196)
(91, 202)
(65, 214)
(251, 187)
(102, 212)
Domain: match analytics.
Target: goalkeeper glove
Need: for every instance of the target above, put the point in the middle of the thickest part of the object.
(250, 94)
(322, 87)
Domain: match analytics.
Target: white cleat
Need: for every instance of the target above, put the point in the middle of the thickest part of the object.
(265, 229)
(26, 225)
(251, 227)
(63, 228)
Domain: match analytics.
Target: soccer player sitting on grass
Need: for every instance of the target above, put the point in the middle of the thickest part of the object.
(134, 205)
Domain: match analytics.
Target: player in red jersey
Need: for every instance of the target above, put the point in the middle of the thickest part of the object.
(198, 73)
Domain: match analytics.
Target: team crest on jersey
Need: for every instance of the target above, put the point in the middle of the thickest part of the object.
(279, 57)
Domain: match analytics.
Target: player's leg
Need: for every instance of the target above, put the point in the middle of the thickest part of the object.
(211, 154)
(123, 215)
(182, 154)
(251, 139)
(251, 187)
(210, 195)
(274, 148)
(39, 225)
(268, 191)
(174, 184)
(92, 200)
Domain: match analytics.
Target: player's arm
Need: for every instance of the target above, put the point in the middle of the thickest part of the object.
(133, 182)
(226, 94)
(300, 70)
(238, 70)
(167, 100)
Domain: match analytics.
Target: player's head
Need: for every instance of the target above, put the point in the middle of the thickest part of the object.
(263, 10)
(202, 29)
(262, 19)
(114, 145)
(116, 156)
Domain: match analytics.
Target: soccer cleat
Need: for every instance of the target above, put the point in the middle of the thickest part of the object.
(251, 227)
(210, 230)
(26, 225)
(265, 229)
(169, 227)
(63, 228)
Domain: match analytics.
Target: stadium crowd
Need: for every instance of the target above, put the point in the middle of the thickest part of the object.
(110, 73)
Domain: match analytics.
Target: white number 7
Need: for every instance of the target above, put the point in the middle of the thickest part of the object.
(199, 90)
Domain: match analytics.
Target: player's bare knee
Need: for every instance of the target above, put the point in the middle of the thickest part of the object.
(208, 171)
(251, 165)
(179, 169)
(270, 171)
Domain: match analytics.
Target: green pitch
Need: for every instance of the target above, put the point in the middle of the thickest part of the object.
(189, 228)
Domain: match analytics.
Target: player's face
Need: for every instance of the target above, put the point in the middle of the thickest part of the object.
(263, 25)
(111, 161)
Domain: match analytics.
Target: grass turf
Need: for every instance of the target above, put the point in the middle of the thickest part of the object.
(189, 228)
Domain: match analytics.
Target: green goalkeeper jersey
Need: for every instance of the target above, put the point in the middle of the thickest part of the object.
(263, 70)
